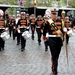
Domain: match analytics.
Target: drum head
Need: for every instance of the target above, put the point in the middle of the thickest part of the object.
(5, 36)
(26, 34)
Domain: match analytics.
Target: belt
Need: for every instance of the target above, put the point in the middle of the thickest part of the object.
(37, 27)
(22, 27)
(47, 35)
(2, 28)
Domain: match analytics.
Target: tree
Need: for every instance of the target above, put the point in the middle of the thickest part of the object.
(72, 3)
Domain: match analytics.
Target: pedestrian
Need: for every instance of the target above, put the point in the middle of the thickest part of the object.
(54, 29)
(22, 27)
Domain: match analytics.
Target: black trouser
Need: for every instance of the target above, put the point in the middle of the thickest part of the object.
(2, 43)
(18, 37)
(67, 39)
(14, 31)
(39, 34)
(55, 51)
(23, 42)
(10, 30)
(33, 34)
(46, 44)
(33, 30)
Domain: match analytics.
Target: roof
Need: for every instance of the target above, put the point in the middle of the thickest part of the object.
(65, 8)
(5, 6)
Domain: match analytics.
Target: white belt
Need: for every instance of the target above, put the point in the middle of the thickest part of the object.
(37, 27)
(2, 28)
(22, 27)
(47, 35)
(33, 23)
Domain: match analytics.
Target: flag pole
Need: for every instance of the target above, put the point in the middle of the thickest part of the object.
(35, 11)
(35, 8)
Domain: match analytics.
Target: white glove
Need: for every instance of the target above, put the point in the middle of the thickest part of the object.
(65, 29)
(18, 31)
(6, 29)
(27, 27)
(47, 35)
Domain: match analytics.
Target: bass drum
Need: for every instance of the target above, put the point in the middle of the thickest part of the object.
(26, 35)
(5, 36)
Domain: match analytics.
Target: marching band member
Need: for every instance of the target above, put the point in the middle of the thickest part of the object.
(28, 19)
(67, 29)
(2, 29)
(13, 24)
(33, 25)
(21, 27)
(39, 23)
(18, 34)
(8, 23)
(54, 29)
(45, 19)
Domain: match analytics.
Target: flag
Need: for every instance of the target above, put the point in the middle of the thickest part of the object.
(34, 2)
(21, 2)
(67, 3)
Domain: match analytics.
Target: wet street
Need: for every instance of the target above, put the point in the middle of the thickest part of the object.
(35, 60)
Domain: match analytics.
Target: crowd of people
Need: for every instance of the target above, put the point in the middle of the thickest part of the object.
(52, 27)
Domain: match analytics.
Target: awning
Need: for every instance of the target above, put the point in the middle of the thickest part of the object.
(4, 6)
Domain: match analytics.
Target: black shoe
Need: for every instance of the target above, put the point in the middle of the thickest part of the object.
(13, 39)
(2, 48)
(18, 43)
(32, 38)
(46, 49)
(22, 49)
(54, 72)
(39, 43)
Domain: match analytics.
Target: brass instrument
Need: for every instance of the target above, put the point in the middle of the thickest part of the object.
(63, 14)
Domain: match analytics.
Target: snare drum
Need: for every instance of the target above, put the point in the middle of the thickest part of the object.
(5, 36)
(26, 35)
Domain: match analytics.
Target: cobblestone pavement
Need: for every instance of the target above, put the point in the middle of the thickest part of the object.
(35, 60)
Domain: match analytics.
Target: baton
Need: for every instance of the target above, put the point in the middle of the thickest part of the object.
(66, 50)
